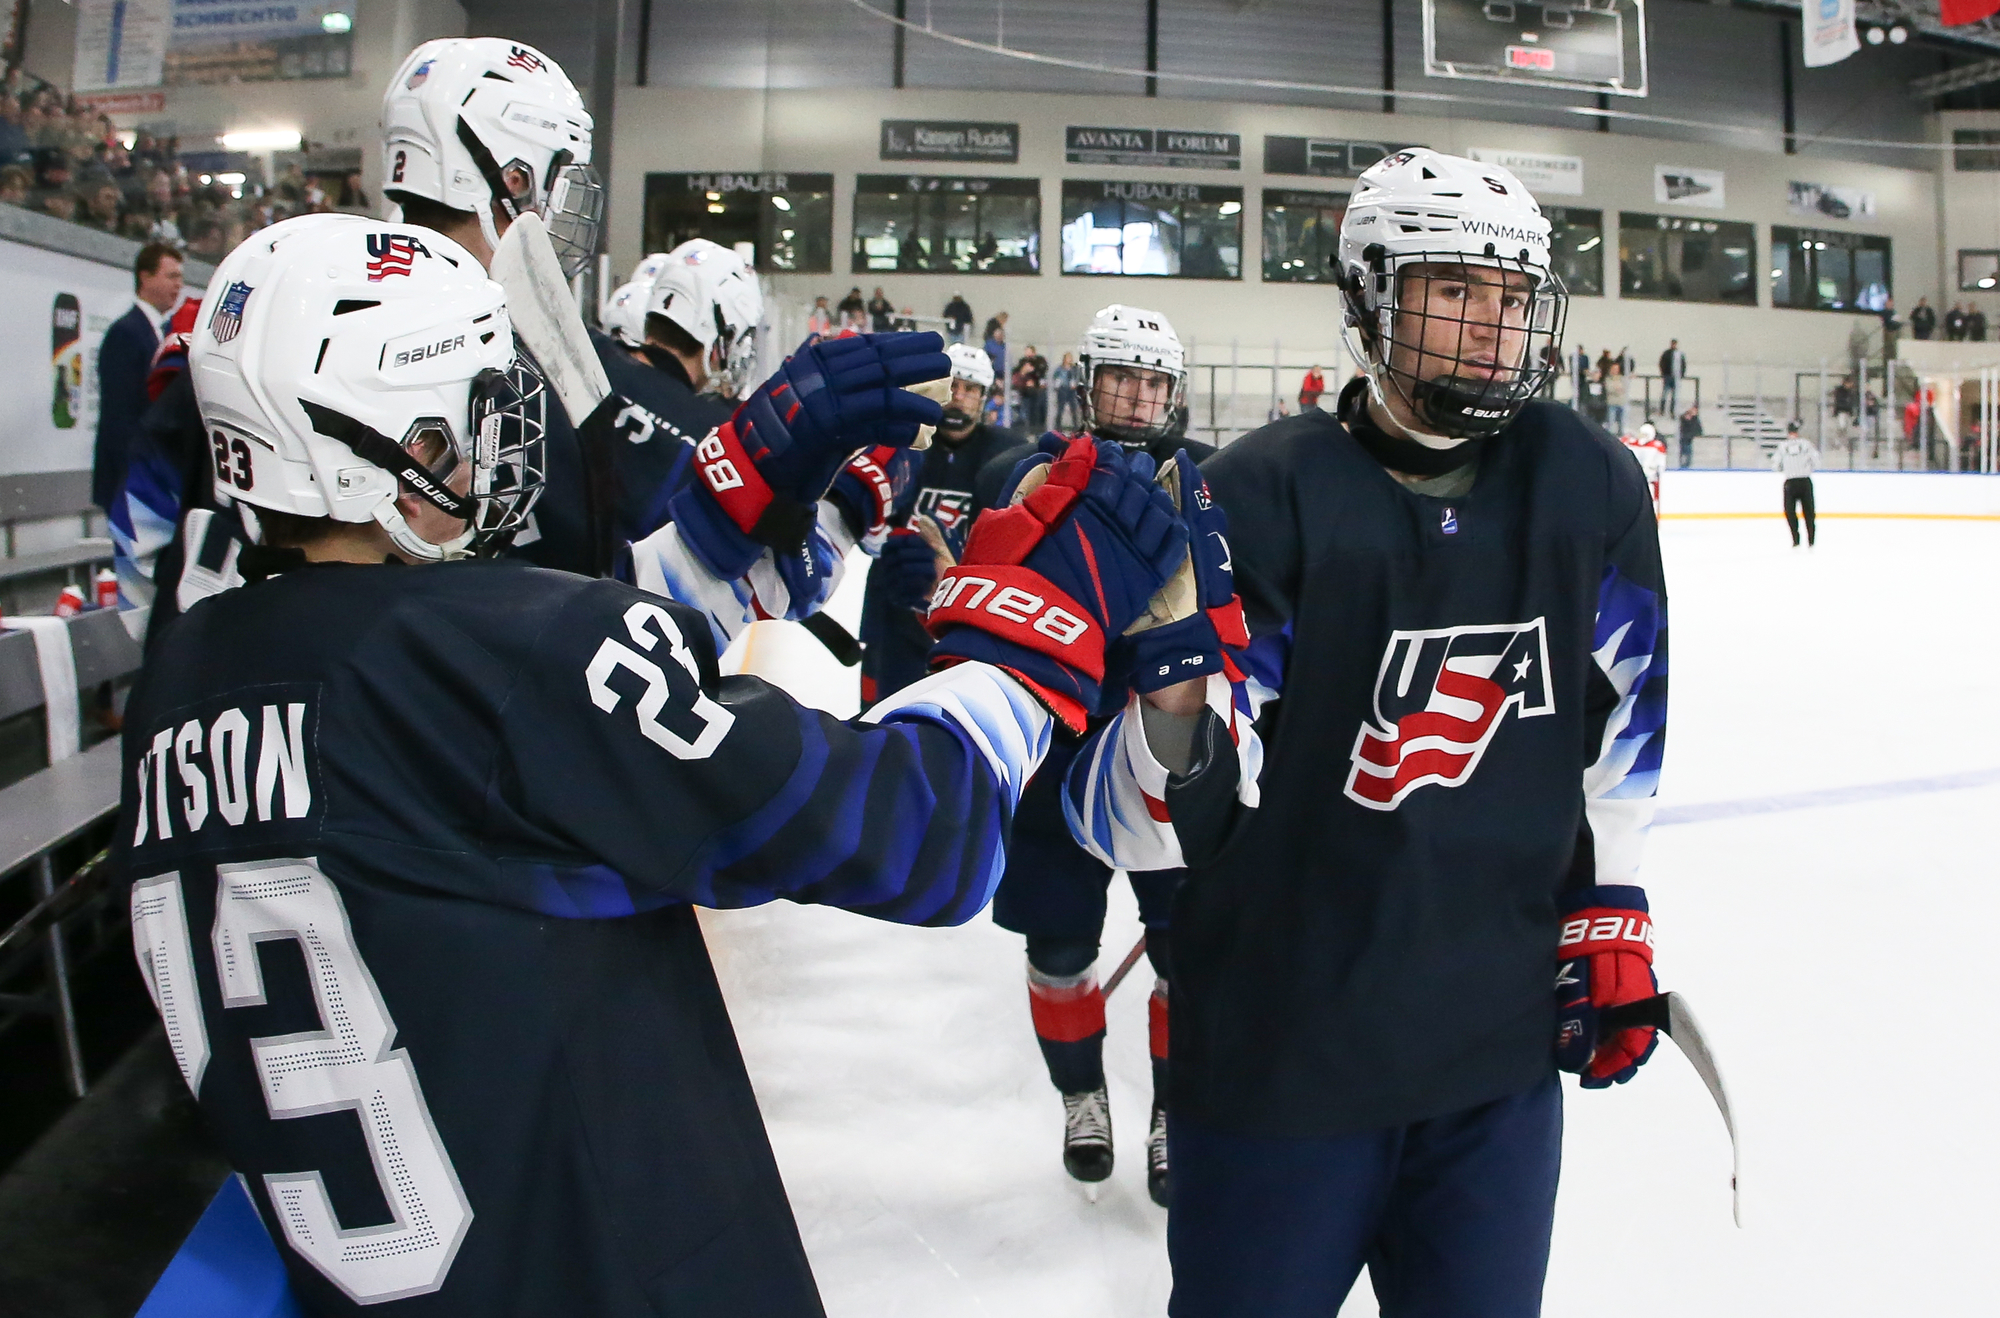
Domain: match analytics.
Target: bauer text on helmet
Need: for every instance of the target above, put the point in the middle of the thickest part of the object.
(1131, 375)
(710, 298)
(348, 361)
(1449, 292)
(493, 127)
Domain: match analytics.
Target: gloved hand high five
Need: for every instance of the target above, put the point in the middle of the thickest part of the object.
(1604, 959)
(1188, 621)
(761, 474)
(1086, 541)
(907, 569)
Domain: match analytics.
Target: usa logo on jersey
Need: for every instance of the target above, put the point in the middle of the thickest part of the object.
(1440, 698)
(392, 254)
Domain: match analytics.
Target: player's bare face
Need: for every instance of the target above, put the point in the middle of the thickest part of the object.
(1130, 396)
(432, 447)
(1466, 321)
(961, 414)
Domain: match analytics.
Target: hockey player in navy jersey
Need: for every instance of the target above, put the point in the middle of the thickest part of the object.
(695, 317)
(1422, 807)
(415, 835)
(940, 485)
(1131, 382)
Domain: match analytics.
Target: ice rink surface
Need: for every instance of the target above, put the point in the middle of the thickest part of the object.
(1836, 943)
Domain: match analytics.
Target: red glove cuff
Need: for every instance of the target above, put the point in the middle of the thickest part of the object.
(732, 478)
(874, 482)
(1599, 929)
(1020, 607)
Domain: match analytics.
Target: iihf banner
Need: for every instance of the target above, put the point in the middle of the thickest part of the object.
(1828, 30)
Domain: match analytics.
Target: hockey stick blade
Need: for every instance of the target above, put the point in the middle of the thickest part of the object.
(1670, 1012)
(1125, 966)
(544, 313)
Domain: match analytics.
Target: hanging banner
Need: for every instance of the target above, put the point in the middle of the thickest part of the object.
(120, 44)
(1828, 31)
(1685, 185)
(1827, 199)
(1542, 175)
(246, 41)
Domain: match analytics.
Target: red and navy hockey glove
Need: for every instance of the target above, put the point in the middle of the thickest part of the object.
(871, 488)
(1044, 581)
(1605, 959)
(906, 571)
(1188, 624)
(761, 474)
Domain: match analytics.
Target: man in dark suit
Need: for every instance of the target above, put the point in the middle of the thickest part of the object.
(123, 362)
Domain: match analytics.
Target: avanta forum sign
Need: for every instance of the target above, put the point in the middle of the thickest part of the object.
(1168, 148)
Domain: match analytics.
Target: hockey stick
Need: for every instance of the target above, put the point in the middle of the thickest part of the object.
(544, 312)
(1669, 1013)
(840, 642)
(1125, 967)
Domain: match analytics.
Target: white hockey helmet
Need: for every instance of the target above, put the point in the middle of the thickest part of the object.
(341, 360)
(707, 290)
(624, 313)
(1421, 208)
(1648, 433)
(487, 125)
(970, 364)
(1140, 343)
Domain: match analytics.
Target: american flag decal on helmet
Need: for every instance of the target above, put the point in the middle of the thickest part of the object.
(227, 321)
(521, 58)
(392, 254)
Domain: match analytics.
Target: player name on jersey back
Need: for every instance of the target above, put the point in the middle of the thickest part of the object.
(243, 767)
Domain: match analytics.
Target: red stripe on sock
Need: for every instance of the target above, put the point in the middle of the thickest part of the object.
(1066, 1015)
(1156, 1024)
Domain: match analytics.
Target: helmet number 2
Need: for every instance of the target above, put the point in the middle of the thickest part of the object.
(232, 461)
(350, 1064)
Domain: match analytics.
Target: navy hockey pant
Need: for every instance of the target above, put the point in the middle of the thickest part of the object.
(1799, 499)
(1451, 1216)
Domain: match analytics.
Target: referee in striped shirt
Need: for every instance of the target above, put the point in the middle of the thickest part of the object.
(1796, 459)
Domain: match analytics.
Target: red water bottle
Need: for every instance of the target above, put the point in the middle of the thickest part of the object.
(69, 603)
(107, 589)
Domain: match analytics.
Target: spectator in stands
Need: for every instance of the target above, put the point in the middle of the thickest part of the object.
(1278, 411)
(14, 143)
(1923, 319)
(1673, 369)
(994, 322)
(1030, 385)
(1616, 395)
(1975, 326)
(1954, 323)
(59, 202)
(853, 310)
(880, 311)
(1579, 368)
(14, 183)
(820, 319)
(958, 315)
(102, 210)
(351, 197)
(1690, 423)
(1311, 388)
(996, 352)
(1062, 382)
(124, 360)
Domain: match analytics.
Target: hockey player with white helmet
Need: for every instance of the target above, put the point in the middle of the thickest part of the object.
(1651, 451)
(941, 487)
(483, 799)
(1131, 382)
(685, 346)
(1421, 801)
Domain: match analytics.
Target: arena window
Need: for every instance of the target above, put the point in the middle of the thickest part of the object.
(979, 226)
(1175, 230)
(1301, 235)
(1576, 246)
(1966, 159)
(1681, 259)
(1978, 272)
(786, 218)
(1821, 270)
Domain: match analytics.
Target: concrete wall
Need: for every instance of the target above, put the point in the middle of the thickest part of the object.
(675, 129)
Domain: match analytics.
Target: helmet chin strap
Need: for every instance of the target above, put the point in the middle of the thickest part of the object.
(390, 518)
(1376, 390)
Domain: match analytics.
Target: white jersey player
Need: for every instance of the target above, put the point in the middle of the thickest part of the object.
(1651, 450)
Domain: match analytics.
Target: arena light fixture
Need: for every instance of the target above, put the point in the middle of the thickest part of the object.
(782, 203)
(1229, 208)
(1898, 35)
(1873, 35)
(336, 23)
(1589, 243)
(262, 139)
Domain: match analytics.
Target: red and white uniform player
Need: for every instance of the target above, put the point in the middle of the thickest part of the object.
(1651, 450)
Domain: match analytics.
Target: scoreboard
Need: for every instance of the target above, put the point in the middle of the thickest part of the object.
(1579, 45)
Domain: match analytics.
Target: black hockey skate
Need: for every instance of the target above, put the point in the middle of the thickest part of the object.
(1159, 1183)
(1087, 1135)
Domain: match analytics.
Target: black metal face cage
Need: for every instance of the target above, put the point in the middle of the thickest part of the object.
(509, 450)
(1389, 307)
(1123, 387)
(574, 211)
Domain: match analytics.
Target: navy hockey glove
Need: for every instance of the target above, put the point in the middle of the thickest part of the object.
(761, 474)
(1186, 625)
(1072, 561)
(1605, 959)
(907, 570)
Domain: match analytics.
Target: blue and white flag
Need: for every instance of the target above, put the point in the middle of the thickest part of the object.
(1828, 29)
